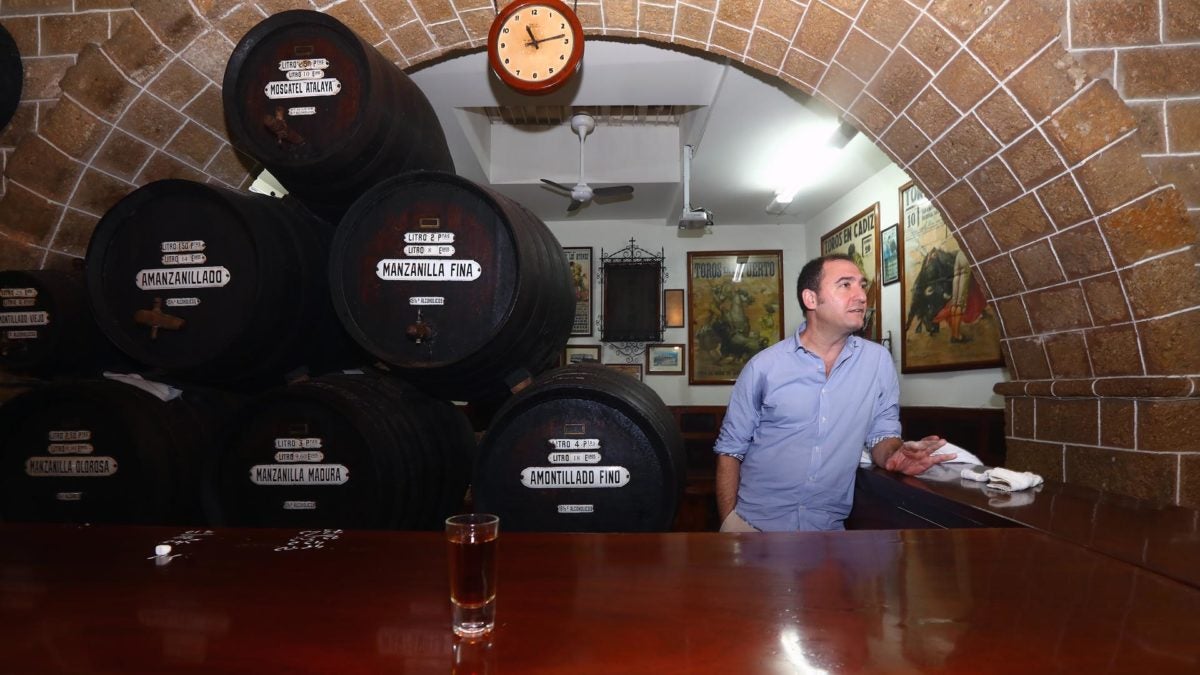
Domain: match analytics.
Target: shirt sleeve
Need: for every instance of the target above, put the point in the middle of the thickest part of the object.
(886, 420)
(741, 416)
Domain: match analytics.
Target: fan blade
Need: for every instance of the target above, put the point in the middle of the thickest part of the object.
(574, 205)
(612, 190)
(560, 186)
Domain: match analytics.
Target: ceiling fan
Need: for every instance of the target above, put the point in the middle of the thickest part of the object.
(583, 124)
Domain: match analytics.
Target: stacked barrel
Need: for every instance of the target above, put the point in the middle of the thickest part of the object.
(333, 326)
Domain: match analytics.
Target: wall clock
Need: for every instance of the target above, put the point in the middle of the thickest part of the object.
(535, 46)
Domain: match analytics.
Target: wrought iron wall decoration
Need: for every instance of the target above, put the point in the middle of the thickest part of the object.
(632, 317)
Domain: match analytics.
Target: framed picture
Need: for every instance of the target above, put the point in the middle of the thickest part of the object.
(579, 259)
(859, 239)
(947, 324)
(664, 359)
(573, 354)
(673, 308)
(735, 310)
(633, 370)
(889, 252)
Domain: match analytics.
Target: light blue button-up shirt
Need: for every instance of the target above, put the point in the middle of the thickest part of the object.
(800, 434)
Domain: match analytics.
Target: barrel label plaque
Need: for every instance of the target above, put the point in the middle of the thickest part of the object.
(298, 443)
(284, 456)
(24, 318)
(299, 474)
(429, 237)
(574, 477)
(305, 74)
(299, 505)
(423, 250)
(18, 292)
(61, 435)
(574, 458)
(184, 259)
(426, 301)
(189, 277)
(19, 302)
(393, 269)
(303, 64)
(193, 245)
(575, 443)
(326, 86)
(70, 448)
(302, 111)
(74, 467)
(21, 334)
(182, 302)
(576, 508)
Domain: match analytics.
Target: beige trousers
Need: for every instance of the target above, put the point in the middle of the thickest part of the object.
(735, 523)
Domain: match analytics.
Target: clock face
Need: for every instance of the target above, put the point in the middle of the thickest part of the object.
(535, 47)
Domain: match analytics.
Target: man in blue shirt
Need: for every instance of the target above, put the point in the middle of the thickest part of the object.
(803, 410)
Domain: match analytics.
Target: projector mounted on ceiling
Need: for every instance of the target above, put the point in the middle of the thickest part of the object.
(691, 219)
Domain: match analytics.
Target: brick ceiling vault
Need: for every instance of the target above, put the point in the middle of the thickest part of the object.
(1042, 170)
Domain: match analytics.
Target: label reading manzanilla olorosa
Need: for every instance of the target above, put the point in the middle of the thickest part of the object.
(183, 277)
(74, 467)
(299, 474)
(392, 269)
(574, 476)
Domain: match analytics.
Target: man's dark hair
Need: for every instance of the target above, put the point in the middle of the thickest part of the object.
(810, 276)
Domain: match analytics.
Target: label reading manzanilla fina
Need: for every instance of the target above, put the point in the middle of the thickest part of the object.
(574, 476)
(392, 269)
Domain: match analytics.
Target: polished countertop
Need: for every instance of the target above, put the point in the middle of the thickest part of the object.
(80, 599)
(1160, 537)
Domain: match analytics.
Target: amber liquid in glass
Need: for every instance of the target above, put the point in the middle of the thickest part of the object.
(473, 572)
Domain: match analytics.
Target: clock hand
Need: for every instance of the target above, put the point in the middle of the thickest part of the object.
(552, 37)
(533, 41)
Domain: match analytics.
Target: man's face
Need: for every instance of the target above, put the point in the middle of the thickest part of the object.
(841, 299)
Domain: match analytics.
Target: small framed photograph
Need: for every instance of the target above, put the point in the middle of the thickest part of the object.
(633, 370)
(673, 308)
(574, 354)
(665, 359)
(889, 249)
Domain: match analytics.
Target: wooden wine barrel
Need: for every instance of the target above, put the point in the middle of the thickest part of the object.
(216, 285)
(325, 112)
(103, 451)
(348, 451)
(12, 75)
(46, 326)
(454, 287)
(582, 449)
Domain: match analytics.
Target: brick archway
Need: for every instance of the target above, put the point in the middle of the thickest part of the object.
(1089, 261)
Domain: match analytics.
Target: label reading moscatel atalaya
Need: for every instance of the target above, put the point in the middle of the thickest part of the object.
(574, 476)
(299, 474)
(74, 467)
(326, 86)
(392, 269)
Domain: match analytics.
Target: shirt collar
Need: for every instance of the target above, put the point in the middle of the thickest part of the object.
(853, 342)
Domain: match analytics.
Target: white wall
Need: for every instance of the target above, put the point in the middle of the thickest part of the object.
(655, 235)
(957, 389)
(966, 389)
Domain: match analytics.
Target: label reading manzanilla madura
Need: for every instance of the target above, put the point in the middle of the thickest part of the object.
(299, 474)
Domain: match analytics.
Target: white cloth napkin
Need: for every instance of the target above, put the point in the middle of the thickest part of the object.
(963, 456)
(1005, 480)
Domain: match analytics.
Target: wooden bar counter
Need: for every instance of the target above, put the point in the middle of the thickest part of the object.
(80, 599)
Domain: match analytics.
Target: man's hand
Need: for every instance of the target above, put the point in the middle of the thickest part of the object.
(914, 457)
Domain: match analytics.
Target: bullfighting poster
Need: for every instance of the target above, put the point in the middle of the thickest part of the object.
(735, 310)
(859, 239)
(946, 322)
(579, 259)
